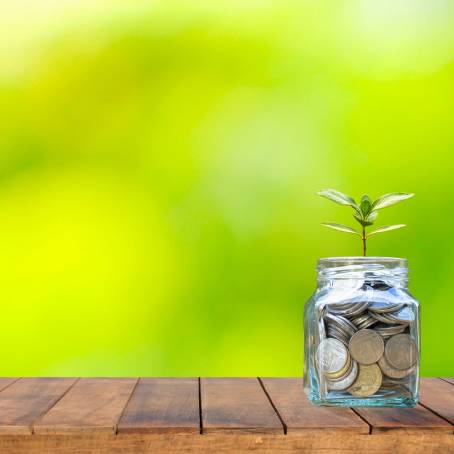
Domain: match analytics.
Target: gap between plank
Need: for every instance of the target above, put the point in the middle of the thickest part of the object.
(436, 413)
(200, 407)
(274, 406)
(9, 384)
(364, 419)
(32, 425)
(126, 405)
(441, 378)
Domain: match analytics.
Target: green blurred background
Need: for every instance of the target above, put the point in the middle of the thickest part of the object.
(158, 165)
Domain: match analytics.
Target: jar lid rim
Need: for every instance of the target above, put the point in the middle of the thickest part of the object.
(362, 259)
(335, 262)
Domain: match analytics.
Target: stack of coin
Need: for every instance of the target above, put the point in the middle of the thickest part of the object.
(339, 327)
(336, 364)
(367, 347)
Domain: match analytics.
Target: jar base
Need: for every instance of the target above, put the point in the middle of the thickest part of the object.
(394, 402)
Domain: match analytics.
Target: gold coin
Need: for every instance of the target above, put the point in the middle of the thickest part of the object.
(368, 381)
(342, 372)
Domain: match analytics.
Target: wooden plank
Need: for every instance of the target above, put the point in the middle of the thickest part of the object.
(237, 405)
(27, 399)
(163, 405)
(225, 443)
(438, 396)
(416, 420)
(300, 416)
(449, 380)
(92, 405)
(5, 382)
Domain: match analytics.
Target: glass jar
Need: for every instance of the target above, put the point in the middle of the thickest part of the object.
(361, 335)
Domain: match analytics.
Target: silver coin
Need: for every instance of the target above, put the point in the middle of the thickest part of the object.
(342, 323)
(366, 346)
(332, 328)
(384, 318)
(346, 381)
(360, 318)
(367, 322)
(401, 351)
(356, 309)
(348, 324)
(403, 316)
(331, 355)
(389, 330)
(338, 307)
(382, 307)
(336, 334)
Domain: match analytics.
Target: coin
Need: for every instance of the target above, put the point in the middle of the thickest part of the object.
(401, 351)
(331, 355)
(338, 307)
(404, 316)
(391, 372)
(346, 381)
(341, 373)
(333, 332)
(384, 318)
(356, 309)
(389, 330)
(368, 381)
(341, 323)
(366, 346)
(366, 321)
(382, 307)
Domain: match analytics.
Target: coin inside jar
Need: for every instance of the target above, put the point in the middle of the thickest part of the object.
(367, 382)
(382, 307)
(340, 373)
(401, 351)
(389, 330)
(366, 346)
(332, 355)
(346, 381)
(404, 316)
(391, 372)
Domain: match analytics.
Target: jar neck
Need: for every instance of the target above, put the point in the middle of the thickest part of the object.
(376, 272)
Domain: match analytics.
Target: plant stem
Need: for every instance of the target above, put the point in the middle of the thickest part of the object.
(363, 238)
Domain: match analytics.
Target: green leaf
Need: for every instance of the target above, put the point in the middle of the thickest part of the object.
(366, 205)
(368, 220)
(338, 197)
(340, 227)
(390, 199)
(362, 221)
(372, 216)
(385, 228)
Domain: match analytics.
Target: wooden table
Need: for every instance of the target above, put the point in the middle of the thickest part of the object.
(215, 415)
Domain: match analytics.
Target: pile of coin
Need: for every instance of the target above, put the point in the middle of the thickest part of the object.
(367, 347)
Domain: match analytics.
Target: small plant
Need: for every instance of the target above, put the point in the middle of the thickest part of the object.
(365, 212)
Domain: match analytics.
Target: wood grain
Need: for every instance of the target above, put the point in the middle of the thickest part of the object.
(438, 396)
(5, 382)
(237, 405)
(92, 405)
(404, 420)
(160, 416)
(224, 443)
(163, 405)
(299, 415)
(27, 399)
